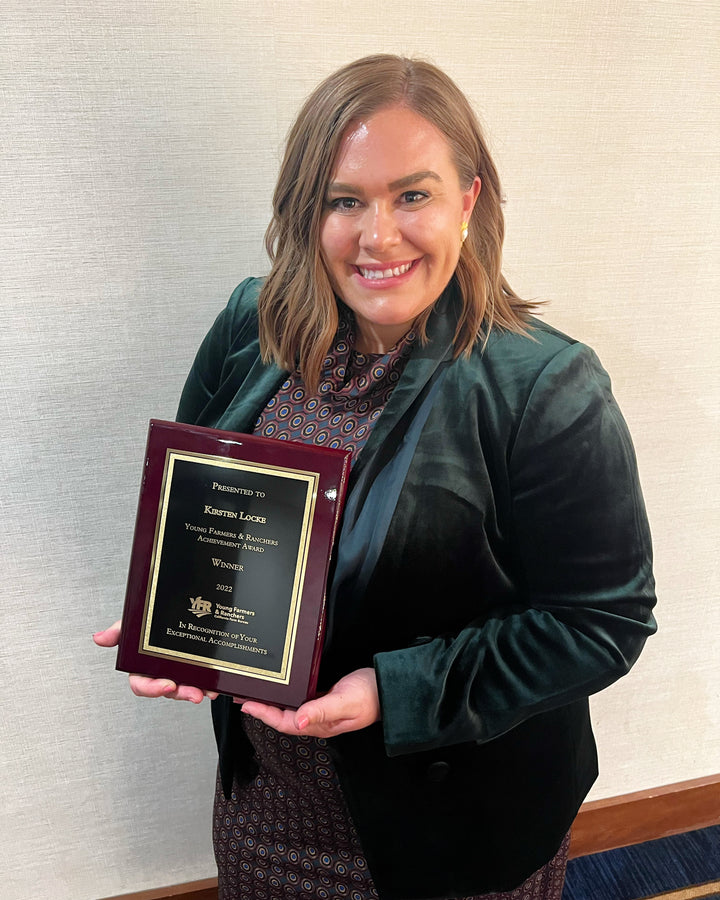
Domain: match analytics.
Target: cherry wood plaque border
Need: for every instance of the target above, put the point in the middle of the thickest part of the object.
(323, 472)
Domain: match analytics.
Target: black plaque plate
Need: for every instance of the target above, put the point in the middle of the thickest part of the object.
(226, 589)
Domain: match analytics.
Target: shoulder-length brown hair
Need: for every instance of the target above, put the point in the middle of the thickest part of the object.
(297, 307)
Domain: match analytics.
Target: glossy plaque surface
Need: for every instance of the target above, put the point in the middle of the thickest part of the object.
(233, 537)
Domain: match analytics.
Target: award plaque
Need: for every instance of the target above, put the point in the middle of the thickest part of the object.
(226, 589)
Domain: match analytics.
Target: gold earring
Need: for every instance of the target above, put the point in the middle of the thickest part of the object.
(463, 232)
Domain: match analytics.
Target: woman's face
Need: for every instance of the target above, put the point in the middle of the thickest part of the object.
(391, 230)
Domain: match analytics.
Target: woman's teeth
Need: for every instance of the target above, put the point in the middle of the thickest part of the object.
(384, 273)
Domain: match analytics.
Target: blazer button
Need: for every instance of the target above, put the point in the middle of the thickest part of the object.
(438, 771)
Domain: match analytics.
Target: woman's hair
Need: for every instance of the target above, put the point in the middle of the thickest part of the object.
(297, 307)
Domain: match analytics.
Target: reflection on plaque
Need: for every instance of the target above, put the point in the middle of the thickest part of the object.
(229, 565)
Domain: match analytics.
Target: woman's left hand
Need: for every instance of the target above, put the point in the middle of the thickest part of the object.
(349, 705)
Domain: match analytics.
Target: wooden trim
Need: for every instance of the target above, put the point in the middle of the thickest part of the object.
(207, 889)
(600, 825)
(646, 815)
(700, 891)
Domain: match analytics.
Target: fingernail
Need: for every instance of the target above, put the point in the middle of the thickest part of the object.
(303, 722)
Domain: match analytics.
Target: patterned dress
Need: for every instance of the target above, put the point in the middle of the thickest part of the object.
(289, 834)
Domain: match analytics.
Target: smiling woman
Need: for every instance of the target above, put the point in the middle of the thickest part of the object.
(493, 567)
(392, 229)
(334, 133)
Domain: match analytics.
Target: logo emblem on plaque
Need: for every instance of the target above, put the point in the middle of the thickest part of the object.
(200, 607)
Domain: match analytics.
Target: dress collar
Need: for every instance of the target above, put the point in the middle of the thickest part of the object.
(349, 374)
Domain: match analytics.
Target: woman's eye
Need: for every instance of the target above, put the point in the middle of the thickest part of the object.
(414, 196)
(344, 204)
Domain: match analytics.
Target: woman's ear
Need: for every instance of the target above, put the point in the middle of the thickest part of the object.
(470, 196)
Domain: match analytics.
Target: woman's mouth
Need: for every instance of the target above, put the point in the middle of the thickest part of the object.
(390, 272)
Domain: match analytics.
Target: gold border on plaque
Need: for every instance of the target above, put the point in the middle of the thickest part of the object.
(281, 675)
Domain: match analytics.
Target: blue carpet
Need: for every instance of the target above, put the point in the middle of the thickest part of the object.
(645, 869)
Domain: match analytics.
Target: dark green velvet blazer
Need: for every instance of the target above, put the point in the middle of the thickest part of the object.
(514, 580)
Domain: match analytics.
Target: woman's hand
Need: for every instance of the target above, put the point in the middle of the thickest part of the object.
(349, 705)
(142, 686)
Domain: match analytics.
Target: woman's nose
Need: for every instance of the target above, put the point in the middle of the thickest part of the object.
(379, 230)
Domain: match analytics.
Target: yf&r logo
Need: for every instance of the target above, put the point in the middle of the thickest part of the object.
(200, 607)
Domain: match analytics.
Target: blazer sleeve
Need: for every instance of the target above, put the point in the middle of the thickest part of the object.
(235, 326)
(583, 568)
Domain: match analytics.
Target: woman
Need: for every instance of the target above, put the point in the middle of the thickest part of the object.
(494, 564)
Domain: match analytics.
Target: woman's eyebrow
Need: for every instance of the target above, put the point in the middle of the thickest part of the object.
(341, 187)
(407, 180)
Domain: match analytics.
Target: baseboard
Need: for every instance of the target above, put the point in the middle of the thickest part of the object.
(600, 825)
(646, 815)
(192, 890)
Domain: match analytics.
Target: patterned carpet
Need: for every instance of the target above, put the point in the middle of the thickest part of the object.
(683, 867)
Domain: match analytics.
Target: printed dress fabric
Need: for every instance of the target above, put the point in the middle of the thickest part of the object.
(353, 391)
(288, 833)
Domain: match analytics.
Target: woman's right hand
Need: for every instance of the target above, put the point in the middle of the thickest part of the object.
(142, 686)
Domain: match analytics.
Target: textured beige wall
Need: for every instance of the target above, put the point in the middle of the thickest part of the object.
(140, 143)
